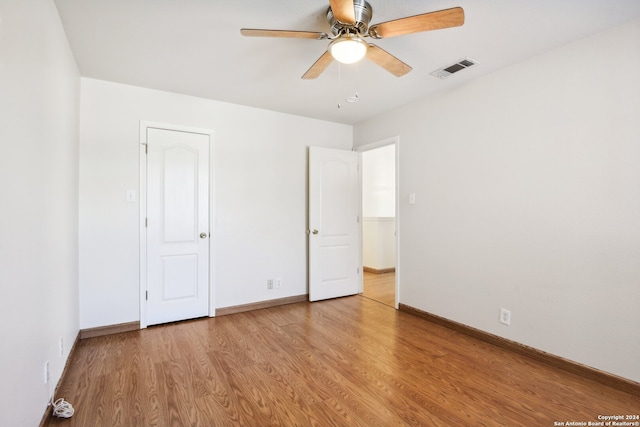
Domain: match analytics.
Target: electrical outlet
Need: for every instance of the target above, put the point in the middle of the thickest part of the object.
(46, 372)
(61, 347)
(505, 316)
(278, 283)
(270, 284)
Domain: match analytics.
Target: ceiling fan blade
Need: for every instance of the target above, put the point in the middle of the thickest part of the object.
(387, 61)
(343, 11)
(414, 24)
(254, 32)
(319, 66)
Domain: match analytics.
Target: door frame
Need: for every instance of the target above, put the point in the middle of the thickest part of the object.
(395, 140)
(144, 125)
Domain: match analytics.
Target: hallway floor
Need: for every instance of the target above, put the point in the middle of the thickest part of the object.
(380, 287)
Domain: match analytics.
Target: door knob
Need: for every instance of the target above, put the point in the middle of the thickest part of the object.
(315, 231)
(203, 235)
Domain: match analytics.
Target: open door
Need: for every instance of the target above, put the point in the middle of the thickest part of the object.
(334, 229)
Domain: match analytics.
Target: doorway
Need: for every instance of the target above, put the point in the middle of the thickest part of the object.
(379, 221)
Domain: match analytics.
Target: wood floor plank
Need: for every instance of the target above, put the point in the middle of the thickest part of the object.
(380, 287)
(345, 362)
(370, 369)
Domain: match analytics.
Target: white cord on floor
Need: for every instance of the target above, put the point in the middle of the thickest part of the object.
(61, 408)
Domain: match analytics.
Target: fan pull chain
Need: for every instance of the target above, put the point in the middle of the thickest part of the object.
(352, 99)
(356, 97)
(339, 83)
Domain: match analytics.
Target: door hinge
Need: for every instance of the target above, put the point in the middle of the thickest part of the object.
(146, 148)
(146, 295)
(145, 222)
(358, 219)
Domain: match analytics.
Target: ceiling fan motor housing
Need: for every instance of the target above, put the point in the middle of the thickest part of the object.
(363, 13)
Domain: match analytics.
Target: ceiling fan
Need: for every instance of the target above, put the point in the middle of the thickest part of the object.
(349, 20)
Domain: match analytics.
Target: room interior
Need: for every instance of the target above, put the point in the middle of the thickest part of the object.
(517, 178)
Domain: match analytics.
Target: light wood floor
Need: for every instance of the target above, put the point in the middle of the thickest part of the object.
(380, 287)
(344, 362)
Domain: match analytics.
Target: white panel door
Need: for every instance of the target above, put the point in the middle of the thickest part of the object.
(177, 244)
(334, 230)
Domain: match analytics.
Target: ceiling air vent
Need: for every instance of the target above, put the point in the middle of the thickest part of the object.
(451, 69)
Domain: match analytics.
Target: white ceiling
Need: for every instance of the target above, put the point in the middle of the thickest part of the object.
(194, 47)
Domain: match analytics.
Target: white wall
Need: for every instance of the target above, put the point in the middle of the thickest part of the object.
(379, 243)
(379, 182)
(260, 195)
(39, 104)
(379, 207)
(528, 197)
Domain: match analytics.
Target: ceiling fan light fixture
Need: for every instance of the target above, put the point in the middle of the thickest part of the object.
(348, 49)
